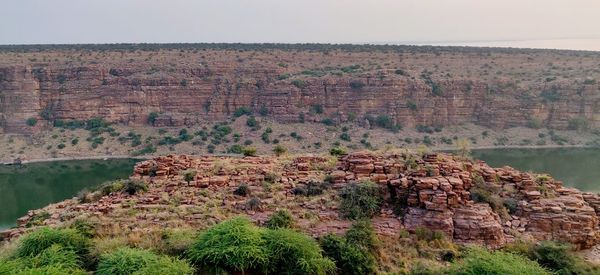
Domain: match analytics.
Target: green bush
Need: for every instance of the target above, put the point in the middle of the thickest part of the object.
(49, 270)
(57, 255)
(558, 257)
(125, 261)
(235, 149)
(299, 83)
(349, 259)
(189, 175)
(242, 190)
(166, 266)
(152, 118)
(279, 150)
(345, 137)
(290, 252)
(32, 121)
(35, 243)
(361, 200)
(176, 241)
(316, 108)
(337, 151)
(481, 261)
(133, 186)
(235, 245)
(242, 111)
(280, 219)
(252, 122)
(249, 151)
(362, 234)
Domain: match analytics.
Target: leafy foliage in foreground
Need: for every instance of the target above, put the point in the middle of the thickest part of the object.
(290, 252)
(355, 252)
(480, 261)
(234, 245)
(35, 243)
(239, 246)
(140, 262)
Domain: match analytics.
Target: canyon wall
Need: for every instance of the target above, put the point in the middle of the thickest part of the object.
(184, 94)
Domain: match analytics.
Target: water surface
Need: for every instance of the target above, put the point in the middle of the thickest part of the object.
(35, 185)
(576, 167)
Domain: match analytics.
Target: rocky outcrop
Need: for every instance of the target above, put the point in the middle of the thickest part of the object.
(434, 191)
(120, 90)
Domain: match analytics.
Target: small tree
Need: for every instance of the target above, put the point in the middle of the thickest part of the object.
(189, 175)
(464, 148)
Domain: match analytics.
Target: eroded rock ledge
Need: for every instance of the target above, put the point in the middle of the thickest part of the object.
(433, 191)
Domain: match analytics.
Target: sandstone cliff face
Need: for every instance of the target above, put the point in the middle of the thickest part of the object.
(434, 192)
(127, 92)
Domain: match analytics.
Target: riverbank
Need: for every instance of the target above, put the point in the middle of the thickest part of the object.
(106, 157)
(296, 138)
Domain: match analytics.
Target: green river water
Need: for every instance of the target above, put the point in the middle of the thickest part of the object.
(35, 185)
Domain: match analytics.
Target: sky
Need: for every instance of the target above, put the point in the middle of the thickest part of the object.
(295, 21)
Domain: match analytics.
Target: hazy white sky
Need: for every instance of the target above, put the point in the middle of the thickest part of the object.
(332, 21)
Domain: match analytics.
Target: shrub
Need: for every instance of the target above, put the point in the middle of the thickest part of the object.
(280, 219)
(125, 261)
(235, 149)
(337, 151)
(36, 242)
(312, 188)
(133, 187)
(290, 252)
(49, 270)
(361, 233)
(242, 111)
(579, 124)
(400, 72)
(233, 245)
(348, 258)
(32, 121)
(299, 83)
(189, 175)
(316, 108)
(57, 255)
(152, 118)
(356, 84)
(249, 151)
(558, 257)
(480, 261)
(253, 204)
(425, 234)
(176, 241)
(361, 200)
(328, 121)
(166, 266)
(411, 105)
(345, 136)
(535, 123)
(279, 150)
(511, 205)
(252, 122)
(242, 190)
